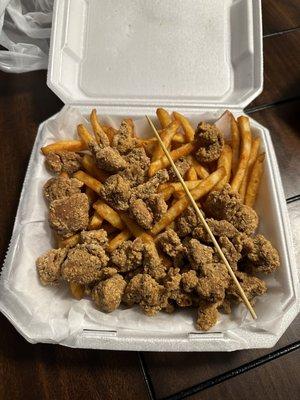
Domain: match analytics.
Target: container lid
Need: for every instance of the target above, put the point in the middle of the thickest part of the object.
(192, 53)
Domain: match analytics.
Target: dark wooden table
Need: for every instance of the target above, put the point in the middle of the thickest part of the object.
(53, 372)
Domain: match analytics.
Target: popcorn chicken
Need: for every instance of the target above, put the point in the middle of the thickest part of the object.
(251, 285)
(108, 158)
(128, 256)
(263, 257)
(108, 293)
(69, 214)
(98, 237)
(64, 161)
(209, 141)
(170, 243)
(199, 255)
(183, 164)
(124, 140)
(211, 287)
(49, 265)
(137, 164)
(60, 187)
(116, 192)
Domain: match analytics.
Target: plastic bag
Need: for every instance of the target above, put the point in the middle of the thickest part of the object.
(25, 28)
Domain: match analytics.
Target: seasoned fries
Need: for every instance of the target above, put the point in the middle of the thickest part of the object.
(163, 117)
(88, 180)
(107, 213)
(253, 156)
(180, 205)
(244, 127)
(166, 135)
(118, 240)
(254, 180)
(64, 145)
(126, 232)
(175, 154)
(225, 161)
(186, 126)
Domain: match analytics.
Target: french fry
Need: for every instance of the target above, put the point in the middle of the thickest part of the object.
(201, 190)
(90, 166)
(178, 138)
(107, 213)
(186, 126)
(97, 128)
(166, 136)
(118, 240)
(191, 175)
(201, 171)
(88, 180)
(91, 194)
(110, 132)
(85, 135)
(235, 145)
(135, 229)
(225, 160)
(77, 290)
(69, 241)
(253, 156)
(246, 137)
(179, 193)
(177, 185)
(254, 180)
(175, 154)
(63, 174)
(95, 222)
(164, 117)
(167, 192)
(64, 145)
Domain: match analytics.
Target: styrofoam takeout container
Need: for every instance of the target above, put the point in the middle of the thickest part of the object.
(199, 57)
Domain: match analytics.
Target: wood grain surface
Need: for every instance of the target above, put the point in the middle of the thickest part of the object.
(43, 371)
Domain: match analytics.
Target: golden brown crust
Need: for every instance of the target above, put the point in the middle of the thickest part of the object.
(63, 161)
(49, 266)
(108, 293)
(60, 187)
(209, 141)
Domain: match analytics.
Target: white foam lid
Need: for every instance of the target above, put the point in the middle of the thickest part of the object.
(156, 52)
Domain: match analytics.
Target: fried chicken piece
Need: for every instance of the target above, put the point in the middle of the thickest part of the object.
(187, 222)
(251, 285)
(107, 272)
(116, 192)
(152, 263)
(189, 281)
(137, 166)
(49, 265)
(145, 190)
(64, 161)
(70, 214)
(145, 291)
(173, 290)
(84, 263)
(60, 187)
(211, 287)
(128, 256)
(227, 205)
(230, 252)
(199, 255)
(124, 140)
(157, 205)
(207, 315)
(108, 293)
(170, 243)
(107, 158)
(263, 257)
(94, 237)
(243, 243)
(172, 280)
(183, 164)
(139, 211)
(218, 228)
(209, 141)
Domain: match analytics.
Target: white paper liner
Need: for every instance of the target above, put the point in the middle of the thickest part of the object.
(51, 315)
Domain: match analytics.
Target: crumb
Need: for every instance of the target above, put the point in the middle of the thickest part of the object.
(84, 263)
(128, 256)
(209, 141)
(60, 187)
(64, 161)
(69, 215)
(49, 265)
(116, 192)
(108, 293)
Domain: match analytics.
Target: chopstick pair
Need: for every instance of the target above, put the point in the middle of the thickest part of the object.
(202, 219)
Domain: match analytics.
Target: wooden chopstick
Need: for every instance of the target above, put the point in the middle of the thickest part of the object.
(202, 219)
